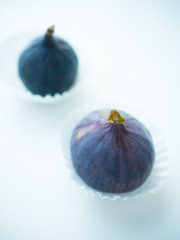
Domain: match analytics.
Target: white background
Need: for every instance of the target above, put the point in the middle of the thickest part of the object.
(132, 54)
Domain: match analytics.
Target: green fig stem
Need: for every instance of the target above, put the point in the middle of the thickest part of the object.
(115, 117)
(50, 31)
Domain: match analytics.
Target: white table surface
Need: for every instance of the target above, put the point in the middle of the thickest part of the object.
(132, 51)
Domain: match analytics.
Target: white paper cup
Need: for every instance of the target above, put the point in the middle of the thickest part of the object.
(10, 51)
(161, 165)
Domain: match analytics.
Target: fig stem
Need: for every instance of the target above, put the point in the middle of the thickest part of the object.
(50, 31)
(115, 117)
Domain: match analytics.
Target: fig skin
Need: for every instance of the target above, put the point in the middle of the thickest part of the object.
(48, 65)
(111, 157)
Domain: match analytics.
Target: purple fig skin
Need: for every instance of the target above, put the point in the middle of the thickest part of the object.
(111, 157)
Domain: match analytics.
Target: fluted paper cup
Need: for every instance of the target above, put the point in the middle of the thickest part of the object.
(9, 78)
(161, 164)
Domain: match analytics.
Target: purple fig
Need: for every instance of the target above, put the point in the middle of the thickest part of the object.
(49, 65)
(112, 152)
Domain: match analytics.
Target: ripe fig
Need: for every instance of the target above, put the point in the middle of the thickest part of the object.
(111, 152)
(48, 65)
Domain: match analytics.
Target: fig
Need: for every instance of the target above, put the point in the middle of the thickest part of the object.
(112, 151)
(48, 65)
